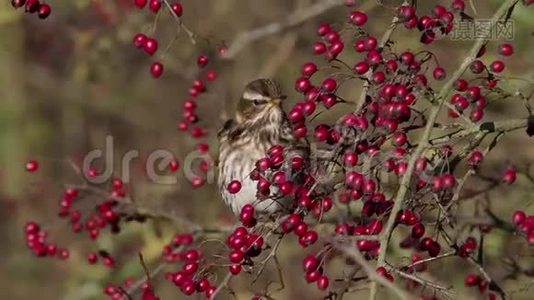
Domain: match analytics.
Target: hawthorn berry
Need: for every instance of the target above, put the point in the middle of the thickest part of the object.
(439, 73)
(234, 187)
(18, 3)
(154, 5)
(497, 66)
(32, 6)
(177, 9)
(156, 69)
(506, 49)
(150, 45)
(509, 176)
(358, 18)
(308, 69)
(32, 166)
(202, 60)
(44, 11)
(140, 3)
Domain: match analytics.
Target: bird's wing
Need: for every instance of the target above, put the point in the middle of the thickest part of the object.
(228, 125)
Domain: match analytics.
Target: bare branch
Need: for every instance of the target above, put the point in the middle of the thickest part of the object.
(355, 254)
(295, 18)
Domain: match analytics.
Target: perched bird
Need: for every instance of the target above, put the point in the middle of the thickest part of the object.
(259, 123)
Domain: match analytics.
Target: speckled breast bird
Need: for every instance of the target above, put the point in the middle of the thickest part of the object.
(258, 124)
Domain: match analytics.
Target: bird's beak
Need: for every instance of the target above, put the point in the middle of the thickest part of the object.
(278, 100)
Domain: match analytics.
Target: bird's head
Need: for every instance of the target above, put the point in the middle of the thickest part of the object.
(261, 98)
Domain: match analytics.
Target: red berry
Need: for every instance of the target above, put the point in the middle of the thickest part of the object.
(63, 253)
(139, 40)
(439, 10)
(174, 165)
(329, 84)
(44, 11)
(319, 48)
(407, 58)
(202, 60)
(509, 176)
(234, 187)
(370, 43)
(150, 46)
(519, 217)
(530, 238)
(177, 9)
(92, 258)
(312, 276)
(458, 5)
(506, 49)
(461, 85)
(471, 279)
(476, 114)
(187, 287)
(154, 5)
(497, 66)
(477, 67)
(18, 3)
(190, 268)
(32, 6)
(358, 18)
(308, 239)
(475, 158)
(418, 230)
(350, 158)
(308, 69)
(439, 73)
(302, 85)
(211, 75)
(156, 69)
(32, 166)
(322, 282)
(406, 12)
(235, 269)
(361, 68)
(399, 139)
(140, 3)
(323, 29)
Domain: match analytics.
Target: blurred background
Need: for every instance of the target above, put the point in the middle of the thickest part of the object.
(71, 80)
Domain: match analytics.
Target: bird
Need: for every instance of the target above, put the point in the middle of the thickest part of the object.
(259, 123)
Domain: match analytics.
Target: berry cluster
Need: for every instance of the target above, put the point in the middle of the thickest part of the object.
(42, 9)
(473, 280)
(524, 224)
(190, 278)
(245, 245)
(150, 44)
(36, 241)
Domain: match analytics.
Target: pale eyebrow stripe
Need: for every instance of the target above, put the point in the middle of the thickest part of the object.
(249, 95)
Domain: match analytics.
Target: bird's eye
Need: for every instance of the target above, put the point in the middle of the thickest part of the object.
(257, 102)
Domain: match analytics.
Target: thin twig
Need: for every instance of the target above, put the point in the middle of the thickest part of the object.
(222, 285)
(190, 34)
(355, 254)
(420, 280)
(295, 18)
